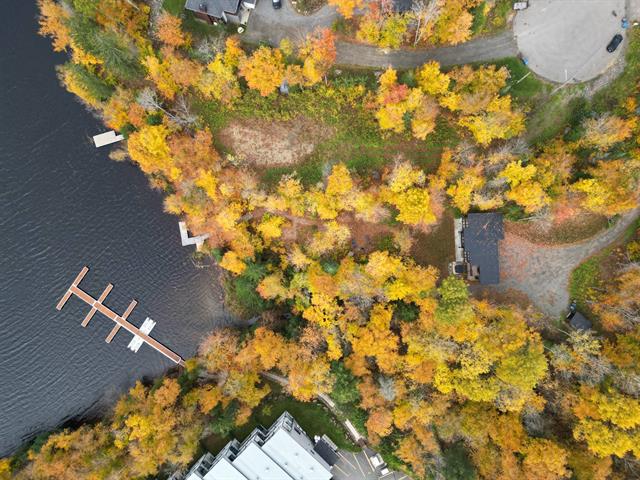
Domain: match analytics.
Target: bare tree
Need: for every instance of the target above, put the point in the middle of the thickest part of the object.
(182, 113)
(424, 11)
(148, 99)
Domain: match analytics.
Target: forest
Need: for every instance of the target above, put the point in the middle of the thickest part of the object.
(327, 252)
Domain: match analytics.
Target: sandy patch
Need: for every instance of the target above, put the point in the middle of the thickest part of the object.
(268, 143)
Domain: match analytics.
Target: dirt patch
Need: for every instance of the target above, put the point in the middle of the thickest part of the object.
(269, 143)
(566, 223)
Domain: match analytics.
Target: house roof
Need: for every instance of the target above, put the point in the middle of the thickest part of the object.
(402, 5)
(213, 8)
(481, 235)
(580, 322)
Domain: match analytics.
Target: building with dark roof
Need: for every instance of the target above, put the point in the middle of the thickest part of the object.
(213, 11)
(477, 240)
(402, 6)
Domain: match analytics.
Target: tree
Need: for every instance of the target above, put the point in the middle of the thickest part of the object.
(169, 31)
(155, 427)
(158, 72)
(405, 192)
(53, 23)
(431, 80)
(612, 188)
(605, 131)
(453, 24)
(347, 7)
(608, 422)
(148, 147)
(264, 70)
(318, 54)
(524, 189)
(619, 305)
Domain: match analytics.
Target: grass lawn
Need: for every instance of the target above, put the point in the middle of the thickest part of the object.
(313, 417)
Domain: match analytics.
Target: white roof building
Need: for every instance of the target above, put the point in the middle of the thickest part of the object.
(284, 452)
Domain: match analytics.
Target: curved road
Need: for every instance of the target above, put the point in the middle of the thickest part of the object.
(542, 272)
(271, 26)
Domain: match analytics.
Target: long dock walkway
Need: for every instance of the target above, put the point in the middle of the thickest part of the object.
(97, 305)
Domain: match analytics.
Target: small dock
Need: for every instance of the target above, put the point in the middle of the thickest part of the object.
(106, 138)
(140, 335)
(187, 240)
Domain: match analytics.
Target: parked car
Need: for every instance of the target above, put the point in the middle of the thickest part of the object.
(614, 43)
(520, 5)
(277, 4)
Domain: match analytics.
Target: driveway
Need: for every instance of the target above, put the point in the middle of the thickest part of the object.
(269, 25)
(542, 272)
(565, 40)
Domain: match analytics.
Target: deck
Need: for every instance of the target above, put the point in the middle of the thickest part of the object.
(120, 321)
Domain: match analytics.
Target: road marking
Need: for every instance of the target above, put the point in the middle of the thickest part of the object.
(356, 459)
(343, 472)
(566, 75)
(345, 459)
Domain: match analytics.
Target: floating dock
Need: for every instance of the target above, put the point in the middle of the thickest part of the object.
(140, 335)
(187, 240)
(106, 138)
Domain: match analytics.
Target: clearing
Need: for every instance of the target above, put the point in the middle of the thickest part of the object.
(269, 143)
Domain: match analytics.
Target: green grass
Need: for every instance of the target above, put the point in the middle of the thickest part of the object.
(584, 280)
(493, 21)
(313, 417)
(522, 84)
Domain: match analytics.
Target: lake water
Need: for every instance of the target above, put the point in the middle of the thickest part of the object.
(64, 204)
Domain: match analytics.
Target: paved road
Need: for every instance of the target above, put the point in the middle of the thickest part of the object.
(565, 40)
(542, 272)
(271, 26)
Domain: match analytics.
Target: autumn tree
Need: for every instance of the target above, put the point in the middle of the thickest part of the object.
(53, 23)
(605, 131)
(169, 31)
(405, 190)
(318, 54)
(346, 8)
(612, 187)
(264, 70)
(524, 187)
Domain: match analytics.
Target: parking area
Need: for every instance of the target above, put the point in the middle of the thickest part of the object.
(566, 40)
(358, 466)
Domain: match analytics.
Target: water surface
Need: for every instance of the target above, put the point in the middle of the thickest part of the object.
(64, 204)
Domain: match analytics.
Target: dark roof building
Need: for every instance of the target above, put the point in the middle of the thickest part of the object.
(214, 10)
(402, 6)
(481, 234)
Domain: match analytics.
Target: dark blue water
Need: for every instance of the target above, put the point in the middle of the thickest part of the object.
(64, 204)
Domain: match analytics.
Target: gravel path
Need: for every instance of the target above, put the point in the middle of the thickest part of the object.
(271, 26)
(542, 272)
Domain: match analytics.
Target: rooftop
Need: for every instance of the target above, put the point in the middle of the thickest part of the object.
(213, 8)
(481, 234)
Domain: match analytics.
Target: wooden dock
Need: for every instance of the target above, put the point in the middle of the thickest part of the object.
(120, 321)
